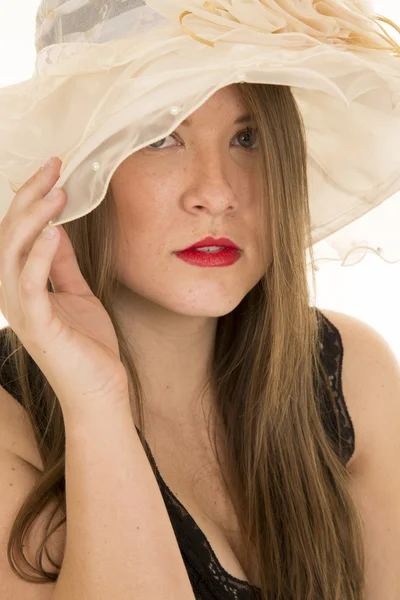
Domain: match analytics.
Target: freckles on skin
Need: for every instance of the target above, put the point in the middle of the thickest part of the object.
(150, 201)
(150, 217)
(201, 184)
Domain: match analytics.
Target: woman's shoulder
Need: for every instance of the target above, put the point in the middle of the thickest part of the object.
(16, 432)
(368, 366)
(8, 377)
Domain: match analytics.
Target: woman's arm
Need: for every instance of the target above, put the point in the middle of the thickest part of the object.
(120, 543)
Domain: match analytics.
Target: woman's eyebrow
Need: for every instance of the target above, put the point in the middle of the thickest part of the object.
(243, 119)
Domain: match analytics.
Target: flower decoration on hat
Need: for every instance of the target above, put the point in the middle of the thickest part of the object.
(344, 22)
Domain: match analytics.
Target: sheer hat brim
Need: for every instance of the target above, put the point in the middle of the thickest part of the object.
(93, 104)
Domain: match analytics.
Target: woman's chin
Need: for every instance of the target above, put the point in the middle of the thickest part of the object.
(210, 307)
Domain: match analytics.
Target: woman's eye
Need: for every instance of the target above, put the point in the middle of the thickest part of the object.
(250, 132)
(248, 137)
(157, 145)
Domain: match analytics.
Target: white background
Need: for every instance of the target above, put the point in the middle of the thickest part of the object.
(369, 291)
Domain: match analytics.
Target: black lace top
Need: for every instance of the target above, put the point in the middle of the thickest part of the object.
(210, 581)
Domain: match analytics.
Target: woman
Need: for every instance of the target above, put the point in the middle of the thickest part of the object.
(253, 481)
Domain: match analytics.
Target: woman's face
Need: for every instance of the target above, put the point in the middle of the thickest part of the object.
(200, 181)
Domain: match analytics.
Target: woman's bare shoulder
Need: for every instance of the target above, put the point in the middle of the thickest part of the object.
(16, 433)
(370, 381)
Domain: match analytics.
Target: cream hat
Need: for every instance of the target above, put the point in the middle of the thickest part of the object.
(113, 76)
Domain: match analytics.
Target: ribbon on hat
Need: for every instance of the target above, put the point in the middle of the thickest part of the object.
(347, 25)
(210, 6)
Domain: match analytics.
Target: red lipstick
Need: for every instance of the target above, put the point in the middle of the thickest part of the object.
(210, 241)
(221, 252)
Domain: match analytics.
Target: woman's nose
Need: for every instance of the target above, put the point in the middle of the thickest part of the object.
(213, 184)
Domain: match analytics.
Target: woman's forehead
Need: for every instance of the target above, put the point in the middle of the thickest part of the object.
(227, 101)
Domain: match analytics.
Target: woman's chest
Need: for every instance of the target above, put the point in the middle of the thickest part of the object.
(195, 479)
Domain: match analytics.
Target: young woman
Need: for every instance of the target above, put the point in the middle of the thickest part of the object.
(177, 421)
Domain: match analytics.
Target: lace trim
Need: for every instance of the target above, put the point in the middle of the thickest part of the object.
(195, 548)
(332, 356)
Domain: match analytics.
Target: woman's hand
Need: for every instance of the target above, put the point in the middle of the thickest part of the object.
(68, 333)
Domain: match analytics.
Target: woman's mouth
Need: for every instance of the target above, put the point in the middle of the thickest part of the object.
(210, 256)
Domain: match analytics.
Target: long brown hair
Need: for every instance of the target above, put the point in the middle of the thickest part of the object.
(268, 377)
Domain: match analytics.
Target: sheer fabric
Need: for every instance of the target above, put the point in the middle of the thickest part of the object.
(113, 76)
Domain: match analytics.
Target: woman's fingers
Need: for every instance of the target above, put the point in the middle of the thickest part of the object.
(65, 273)
(27, 216)
(33, 294)
(29, 258)
(35, 188)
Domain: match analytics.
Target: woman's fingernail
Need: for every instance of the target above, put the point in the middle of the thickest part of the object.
(48, 232)
(54, 194)
(49, 164)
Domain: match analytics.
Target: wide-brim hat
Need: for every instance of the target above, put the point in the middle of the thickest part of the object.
(112, 77)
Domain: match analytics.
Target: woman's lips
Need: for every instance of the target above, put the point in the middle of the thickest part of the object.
(223, 258)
